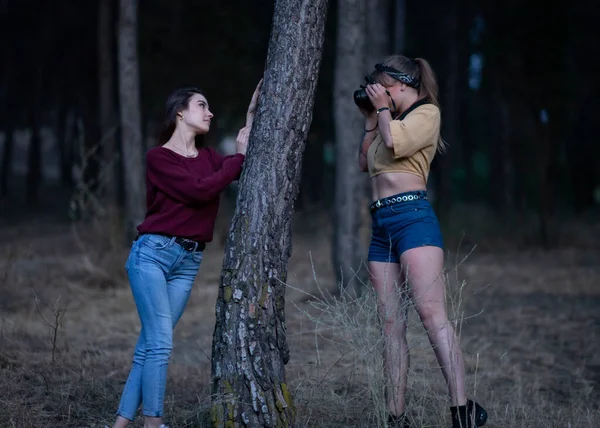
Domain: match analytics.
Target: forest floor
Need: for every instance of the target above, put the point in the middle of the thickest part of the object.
(529, 321)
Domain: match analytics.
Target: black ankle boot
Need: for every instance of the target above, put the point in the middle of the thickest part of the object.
(398, 421)
(472, 415)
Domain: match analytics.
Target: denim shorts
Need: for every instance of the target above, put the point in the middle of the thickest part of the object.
(402, 226)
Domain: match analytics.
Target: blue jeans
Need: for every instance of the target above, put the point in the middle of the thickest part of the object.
(161, 274)
(403, 226)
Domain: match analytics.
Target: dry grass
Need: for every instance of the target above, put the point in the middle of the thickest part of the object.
(530, 325)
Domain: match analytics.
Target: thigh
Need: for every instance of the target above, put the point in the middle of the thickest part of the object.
(180, 282)
(390, 288)
(423, 268)
(149, 288)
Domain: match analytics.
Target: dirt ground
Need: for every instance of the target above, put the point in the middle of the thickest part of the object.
(530, 327)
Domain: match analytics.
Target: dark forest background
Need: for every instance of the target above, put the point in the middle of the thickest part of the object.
(517, 195)
(518, 87)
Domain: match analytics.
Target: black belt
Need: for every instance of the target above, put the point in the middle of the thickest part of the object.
(186, 244)
(189, 245)
(396, 199)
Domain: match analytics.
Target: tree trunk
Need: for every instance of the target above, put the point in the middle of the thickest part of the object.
(377, 31)
(544, 154)
(64, 145)
(108, 120)
(399, 26)
(465, 97)
(6, 121)
(131, 123)
(91, 148)
(34, 154)
(349, 72)
(249, 344)
(451, 102)
(34, 158)
(6, 168)
(500, 156)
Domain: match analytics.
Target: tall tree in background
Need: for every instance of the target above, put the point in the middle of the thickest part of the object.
(131, 123)
(107, 116)
(451, 103)
(378, 32)
(398, 43)
(6, 123)
(363, 38)
(249, 343)
(43, 40)
(349, 186)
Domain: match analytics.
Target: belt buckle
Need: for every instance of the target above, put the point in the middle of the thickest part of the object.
(188, 245)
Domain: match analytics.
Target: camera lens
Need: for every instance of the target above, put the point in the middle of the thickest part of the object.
(361, 99)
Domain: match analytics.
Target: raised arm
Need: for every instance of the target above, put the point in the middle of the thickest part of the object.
(165, 171)
(369, 134)
(367, 138)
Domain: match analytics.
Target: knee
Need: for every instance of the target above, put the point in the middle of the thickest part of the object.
(433, 315)
(159, 347)
(159, 352)
(139, 356)
(394, 322)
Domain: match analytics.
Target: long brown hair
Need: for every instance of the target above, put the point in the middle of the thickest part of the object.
(177, 101)
(419, 69)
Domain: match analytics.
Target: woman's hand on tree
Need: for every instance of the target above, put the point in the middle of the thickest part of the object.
(253, 104)
(242, 140)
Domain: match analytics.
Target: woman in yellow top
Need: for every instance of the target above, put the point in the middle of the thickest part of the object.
(406, 257)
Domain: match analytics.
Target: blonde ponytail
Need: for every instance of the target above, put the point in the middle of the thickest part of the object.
(429, 89)
(429, 85)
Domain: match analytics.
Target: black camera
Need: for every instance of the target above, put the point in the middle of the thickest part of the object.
(361, 99)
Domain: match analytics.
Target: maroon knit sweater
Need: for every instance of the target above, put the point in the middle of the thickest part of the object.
(182, 194)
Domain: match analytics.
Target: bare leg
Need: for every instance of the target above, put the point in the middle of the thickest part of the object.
(121, 422)
(392, 300)
(152, 422)
(423, 268)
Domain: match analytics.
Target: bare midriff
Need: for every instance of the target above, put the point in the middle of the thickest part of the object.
(392, 183)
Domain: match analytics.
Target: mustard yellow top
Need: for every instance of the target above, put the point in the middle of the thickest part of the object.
(415, 137)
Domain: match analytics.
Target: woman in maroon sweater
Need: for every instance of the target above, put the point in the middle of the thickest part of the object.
(184, 184)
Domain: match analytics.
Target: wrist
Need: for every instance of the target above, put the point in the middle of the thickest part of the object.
(382, 109)
(371, 123)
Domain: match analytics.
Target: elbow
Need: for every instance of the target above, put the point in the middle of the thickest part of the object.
(208, 196)
(399, 155)
(389, 142)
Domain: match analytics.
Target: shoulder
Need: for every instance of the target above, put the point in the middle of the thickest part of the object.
(159, 155)
(159, 152)
(426, 110)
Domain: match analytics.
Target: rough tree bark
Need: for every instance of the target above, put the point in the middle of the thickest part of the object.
(350, 188)
(249, 344)
(131, 123)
